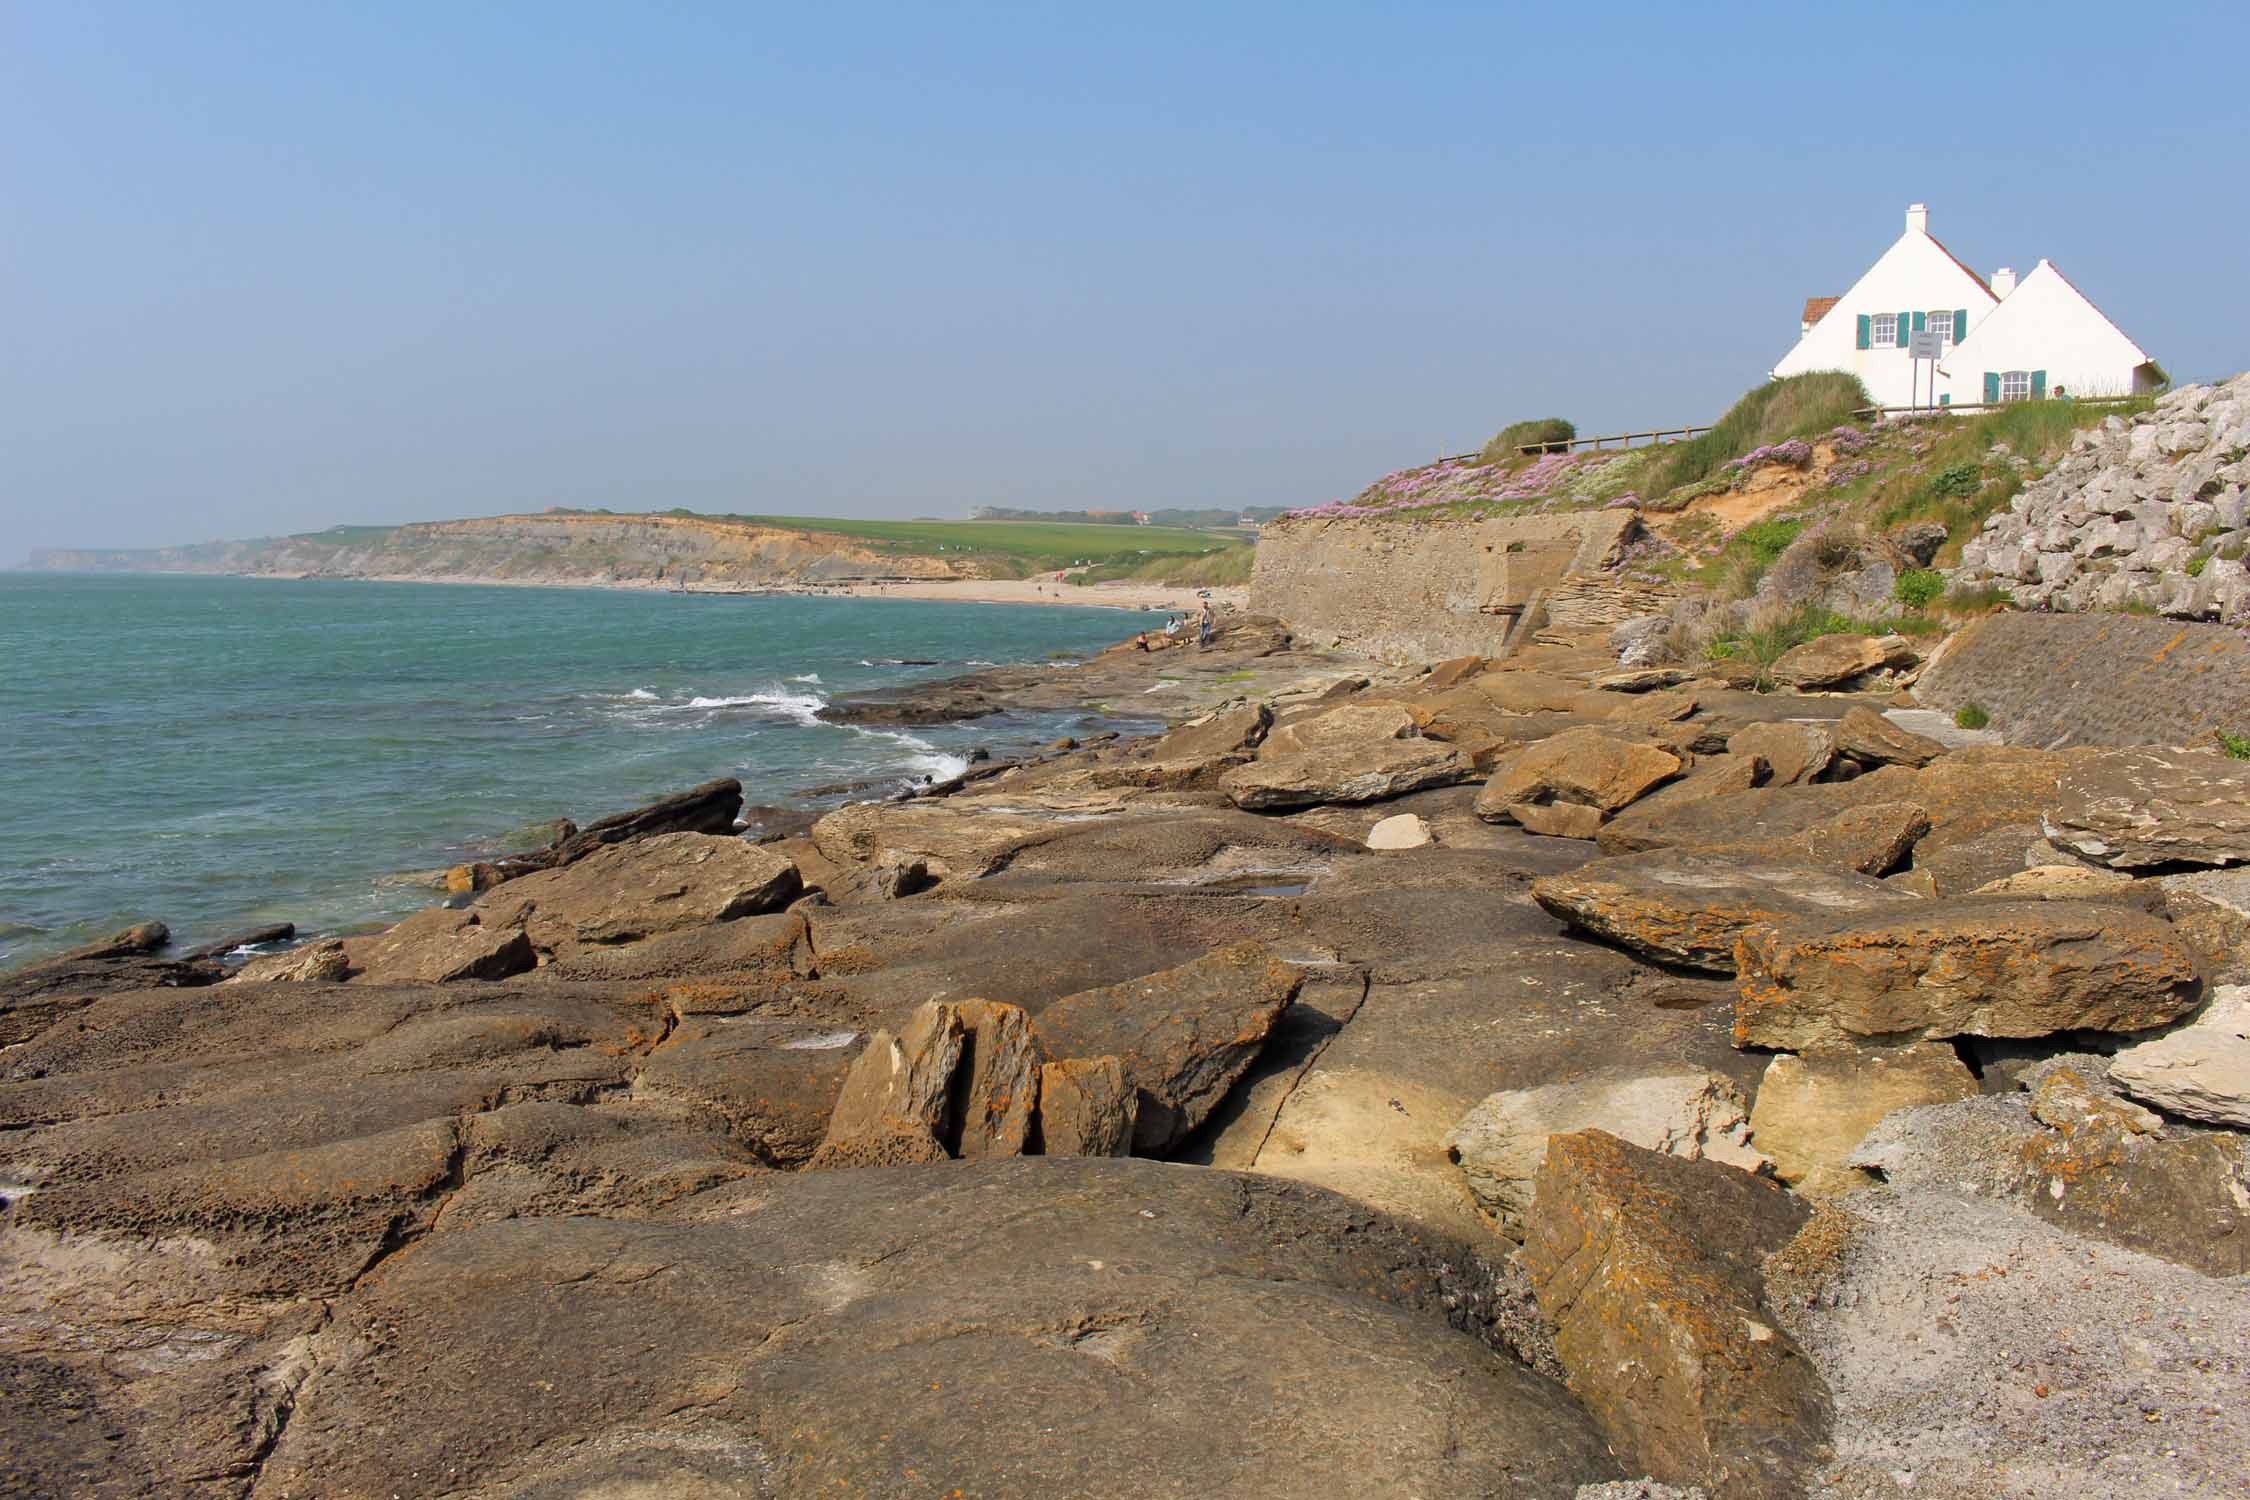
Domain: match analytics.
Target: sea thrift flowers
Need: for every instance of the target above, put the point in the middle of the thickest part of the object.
(1796, 453)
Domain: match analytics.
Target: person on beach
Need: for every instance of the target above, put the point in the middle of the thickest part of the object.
(1140, 642)
(1203, 624)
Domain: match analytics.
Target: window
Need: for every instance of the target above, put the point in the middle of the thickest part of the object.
(2015, 385)
(1941, 324)
(1885, 330)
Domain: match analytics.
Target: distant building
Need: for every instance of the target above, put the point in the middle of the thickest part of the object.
(1998, 340)
(1142, 518)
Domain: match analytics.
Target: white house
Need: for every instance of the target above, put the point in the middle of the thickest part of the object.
(1998, 341)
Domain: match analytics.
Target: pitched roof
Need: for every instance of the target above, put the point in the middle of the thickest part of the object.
(1949, 255)
(1817, 308)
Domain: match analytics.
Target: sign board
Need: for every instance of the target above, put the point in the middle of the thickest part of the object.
(1923, 344)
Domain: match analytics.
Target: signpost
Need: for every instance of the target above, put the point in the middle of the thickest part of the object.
(1920, 345)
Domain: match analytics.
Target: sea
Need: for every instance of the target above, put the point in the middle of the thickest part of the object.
(222, 753)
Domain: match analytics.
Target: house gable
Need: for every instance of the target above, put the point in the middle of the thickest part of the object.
(2047, 326)
(1916, 275)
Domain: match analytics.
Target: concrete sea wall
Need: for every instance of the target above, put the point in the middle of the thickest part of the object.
(2096, 679)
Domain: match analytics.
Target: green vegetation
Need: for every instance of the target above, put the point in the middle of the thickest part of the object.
(1773, 633)
(1753, 549)
(1971, 716)
(1918, 588)
(1802, 406)
(2236, 746)
(1956, 481)
(1212, 569)
(2197, 563)
(1981, 599)
(1508, 445)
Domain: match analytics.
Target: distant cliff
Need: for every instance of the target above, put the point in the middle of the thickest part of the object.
(655, 551)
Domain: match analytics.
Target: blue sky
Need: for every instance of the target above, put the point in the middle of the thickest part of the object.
(268, 268)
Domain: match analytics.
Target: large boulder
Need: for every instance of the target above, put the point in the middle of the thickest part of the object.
(1972, 968)
(1231, 731)
(1347, 724)
(1371, 770)
(2131, 809)
(709, 808)
(1691, 906)
(2199, 1072)
(952, 841)
(1795, 750)
(1087, 1107)
(1579, 768)
(1501, 1144)
(996, 1094)
(1183, 1036)
(1650, 1267)
(1814, 1110)
(1833, 660)
(625, 892)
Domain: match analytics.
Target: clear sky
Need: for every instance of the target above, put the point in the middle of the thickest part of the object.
(271, 267)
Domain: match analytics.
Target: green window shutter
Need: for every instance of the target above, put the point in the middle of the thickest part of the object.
(1905, 325)
(1918, 322)
(1992, 387)
(1946, 400)
(2038, 385)
(1863, 340)
(1960, 324)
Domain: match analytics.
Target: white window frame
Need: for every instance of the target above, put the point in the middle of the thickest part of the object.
(2015, 385)
(1882, 331)
(1944, 329)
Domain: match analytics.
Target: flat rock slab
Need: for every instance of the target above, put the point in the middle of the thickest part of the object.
(1650, 1267)
(1966, 968)
(1582, 768)
(441, 945)
(1025, 1328)
(1872, 739)
(2200, 1072)
(1691, 907)
(1369, 770)
(1833, 660)
(624, 892)
(2131, 809)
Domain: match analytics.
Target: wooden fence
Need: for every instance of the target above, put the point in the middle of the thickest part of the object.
(1879, 412)
(1622, 439)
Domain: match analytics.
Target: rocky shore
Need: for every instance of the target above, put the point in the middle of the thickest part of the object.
(1530, 1077)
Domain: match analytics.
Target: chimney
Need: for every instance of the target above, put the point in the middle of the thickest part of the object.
(1917, 218)
(2003, 282)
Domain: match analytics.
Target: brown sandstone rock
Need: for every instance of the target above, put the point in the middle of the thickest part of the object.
(1501, 1143)
(438, 946)
(1447, 673)
(896, 1107)
(1367, 771)
(1870, 840)
(952, 841)
(1867, 737)
(1086, 1108)
(621, 893)
(2199, 1072)
(1230, 731)
(2130, 809)
(1649, 1267)
(1184, 1035)
(1835, 659)
(1350, 725)
(315, 963)
(996, 1085)
(2060, 883)
(1983, 968)
(1814, 1110)
(1581, 767)
(1795, 751)
(1691, 906)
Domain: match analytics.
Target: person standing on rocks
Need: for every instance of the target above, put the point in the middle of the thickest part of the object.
(1203, 624)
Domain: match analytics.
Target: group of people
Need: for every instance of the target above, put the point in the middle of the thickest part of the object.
(1205, 622)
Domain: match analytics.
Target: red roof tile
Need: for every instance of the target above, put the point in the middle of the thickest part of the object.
(1817, 308)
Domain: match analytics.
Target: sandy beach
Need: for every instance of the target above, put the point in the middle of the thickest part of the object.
(1131, 596)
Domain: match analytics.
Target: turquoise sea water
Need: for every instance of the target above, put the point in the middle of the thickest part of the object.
(217, 752)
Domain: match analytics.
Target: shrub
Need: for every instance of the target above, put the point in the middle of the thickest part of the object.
(1971, 716)
(1516, 436)
(2197, 563)
(2236, 746)
(1957, 481)
(1802, 406)
(1983, 597)
(1918, 588)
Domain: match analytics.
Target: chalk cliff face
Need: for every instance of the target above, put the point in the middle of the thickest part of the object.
(563, 548)
(1421, 591)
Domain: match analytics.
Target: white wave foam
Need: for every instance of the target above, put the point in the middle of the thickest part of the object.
(645, 695)
(807, 677)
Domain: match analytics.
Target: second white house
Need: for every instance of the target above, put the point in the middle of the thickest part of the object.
(1998, 340)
